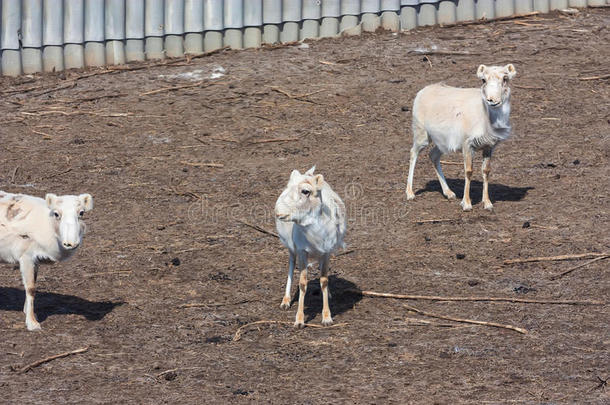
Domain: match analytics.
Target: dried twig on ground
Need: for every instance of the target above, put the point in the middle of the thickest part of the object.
(571, 269)
(440, 52)
(556, 258)
(213, 304)
(30, 366)
(475, 299)
(434, 221)
(258, 228)
(69, 169)
(275, 140)
(528, 87)
(449, 318)
(240, 331)
(447, 162)
(295, 96)
(485, 21)
(196, 164)
(172, 88)
(602, 77)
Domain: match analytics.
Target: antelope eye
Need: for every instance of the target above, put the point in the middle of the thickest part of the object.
(81, 213)
(56, 214)
(505, 79)
(305, 192)
(484, 81)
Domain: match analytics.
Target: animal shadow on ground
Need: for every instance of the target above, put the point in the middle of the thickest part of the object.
(46, 304)
(340, 300)
(497, 192)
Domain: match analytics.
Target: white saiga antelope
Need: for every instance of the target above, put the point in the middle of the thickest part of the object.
(33, 230)
(311, 223)
(462, 119)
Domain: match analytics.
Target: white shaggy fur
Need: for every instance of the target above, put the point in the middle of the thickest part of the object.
(311, 223)
(462, 119)
(33, 230)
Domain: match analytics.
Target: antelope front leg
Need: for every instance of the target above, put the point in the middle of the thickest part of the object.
(28, 275)
(466, 203)
(286, 300)
(326, 318)
(299, 321)
(486, 168)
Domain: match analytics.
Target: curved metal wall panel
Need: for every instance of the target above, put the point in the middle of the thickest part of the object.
(174, 17)
(153, 18)
(52, 22)
(350, 7)
(94, 21)
(390, 5)
(115, 20)
(370, 6)
(134, 19)
(253, 13)
(272, 11)
(213, 15)
(11, 24)
(291, 10)
(311, 10)
(331, 8)
(74, 21)
(233, 14)
(193, 16)
(31, 24)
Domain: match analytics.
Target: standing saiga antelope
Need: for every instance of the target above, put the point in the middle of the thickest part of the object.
(462, 119)
(311, 222)
(35, 230)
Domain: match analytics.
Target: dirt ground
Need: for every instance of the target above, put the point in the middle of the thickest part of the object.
(176, 174)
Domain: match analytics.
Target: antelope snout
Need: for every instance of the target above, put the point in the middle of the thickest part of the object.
(70, 245)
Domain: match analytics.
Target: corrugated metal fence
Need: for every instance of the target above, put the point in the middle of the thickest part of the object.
(52, 35)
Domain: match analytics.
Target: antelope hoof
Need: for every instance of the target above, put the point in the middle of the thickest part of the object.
(450, 195)
(327, 322)
(466, 206)
(299, 324)
(285, 303)
(410, 194)
(33, 325)
(489, 206)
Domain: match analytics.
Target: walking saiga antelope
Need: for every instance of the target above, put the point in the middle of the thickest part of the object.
(33, 230)
(462, 119)
(311, 223)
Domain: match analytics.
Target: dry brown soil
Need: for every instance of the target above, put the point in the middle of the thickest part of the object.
(166, 229)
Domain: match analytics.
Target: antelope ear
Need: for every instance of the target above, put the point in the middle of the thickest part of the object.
(310, 171)
(480, 71)
(318, 180)
(510, 70)
(50, 199)
(295, 173)
(87, 201)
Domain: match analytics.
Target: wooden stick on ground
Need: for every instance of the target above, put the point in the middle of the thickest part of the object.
(449, 318)
(485, 21)
(602, 77)
(239, 331)
(50, 358)
(554, 258)
(474, 299)
(172, 88)
(434, 221)
(571, 269)
(213, 304)
(196, 164)
(275, 140)
(258, 228)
